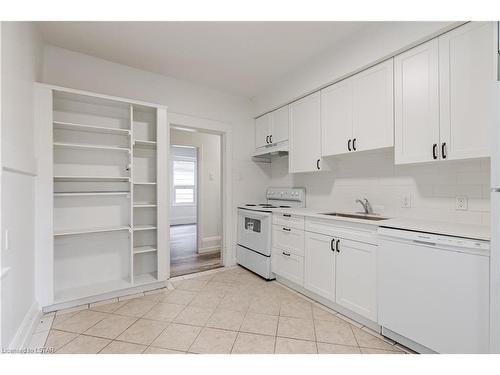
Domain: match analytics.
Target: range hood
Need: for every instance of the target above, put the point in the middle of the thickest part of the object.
(274, 150)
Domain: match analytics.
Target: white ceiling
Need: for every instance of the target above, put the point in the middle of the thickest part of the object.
(238, 57)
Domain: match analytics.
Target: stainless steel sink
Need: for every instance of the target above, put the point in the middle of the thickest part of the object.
(355, 216)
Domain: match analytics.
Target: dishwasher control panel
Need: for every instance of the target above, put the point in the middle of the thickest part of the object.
(437, 240)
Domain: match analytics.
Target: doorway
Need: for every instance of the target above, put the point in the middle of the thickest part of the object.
(195, 201)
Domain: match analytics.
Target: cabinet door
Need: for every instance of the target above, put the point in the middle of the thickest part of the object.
(305, 135)
(336, 118)
(319, 265)
(356, 282)
(280, 123)
(416, 90)
(262, 130)
(467, 72)
(288, 265)
(373, 93)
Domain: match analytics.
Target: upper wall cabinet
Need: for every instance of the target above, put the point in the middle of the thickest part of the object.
(263, 129)
(444, 96)
(305, 135)
(416, 81)
(272, 128)
(357, 113)
(467, 72)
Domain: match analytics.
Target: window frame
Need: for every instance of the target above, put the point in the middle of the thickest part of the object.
(173, 187)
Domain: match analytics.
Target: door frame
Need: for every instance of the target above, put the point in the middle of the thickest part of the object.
(225, 132)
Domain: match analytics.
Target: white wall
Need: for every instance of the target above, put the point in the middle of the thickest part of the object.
(362, 49)
(432, 187)
(186, 213)
(75, 70)
(21, 62)
(209, 185)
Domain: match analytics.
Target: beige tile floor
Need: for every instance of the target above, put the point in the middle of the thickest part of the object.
(231, 311)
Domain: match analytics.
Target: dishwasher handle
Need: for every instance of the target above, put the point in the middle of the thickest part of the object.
(424, 243)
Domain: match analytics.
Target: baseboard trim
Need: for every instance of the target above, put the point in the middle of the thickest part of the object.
(209, 249)
(25, 331)
(105, 296)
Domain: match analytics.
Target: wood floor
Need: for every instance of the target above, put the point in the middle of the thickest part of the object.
(184, 258)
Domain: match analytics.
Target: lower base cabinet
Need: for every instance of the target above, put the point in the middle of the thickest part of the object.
(342, 271)
(356, 279)
(319, 264)
(334, 266)
(288, 265)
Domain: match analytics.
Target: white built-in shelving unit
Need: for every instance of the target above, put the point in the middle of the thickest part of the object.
(101, 194)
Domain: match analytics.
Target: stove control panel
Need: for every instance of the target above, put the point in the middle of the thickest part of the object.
(286, 194)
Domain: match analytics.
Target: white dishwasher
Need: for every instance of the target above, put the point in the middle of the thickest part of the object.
(433, 291)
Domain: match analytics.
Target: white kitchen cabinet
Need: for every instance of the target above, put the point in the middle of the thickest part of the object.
(288, 220)
(272, 128)
(357, 113)
(356, 286)
(305, 135)
(263, 129)
(288, 265)
(319, 265)
(444, 96)
(416, 91)
(337, 118)
(289, 239)
(279, 132)
(467, 73)
(373, 120)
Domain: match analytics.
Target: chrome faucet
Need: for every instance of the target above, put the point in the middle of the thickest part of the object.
(366, 206)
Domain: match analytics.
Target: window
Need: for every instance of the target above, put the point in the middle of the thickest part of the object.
(184, 181)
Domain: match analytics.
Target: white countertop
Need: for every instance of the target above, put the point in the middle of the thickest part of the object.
(480, 232)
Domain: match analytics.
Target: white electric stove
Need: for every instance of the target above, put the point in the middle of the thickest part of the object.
(255, 228)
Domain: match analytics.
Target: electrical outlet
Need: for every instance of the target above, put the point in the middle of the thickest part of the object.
(461, 203)
(406, 201)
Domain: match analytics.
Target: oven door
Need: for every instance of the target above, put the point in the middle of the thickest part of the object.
(254, 230)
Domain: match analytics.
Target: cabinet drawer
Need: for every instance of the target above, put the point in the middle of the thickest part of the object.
(288, 220)
(288, 239)
(288, 265)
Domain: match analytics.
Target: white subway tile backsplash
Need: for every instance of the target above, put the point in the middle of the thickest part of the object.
(433, 187)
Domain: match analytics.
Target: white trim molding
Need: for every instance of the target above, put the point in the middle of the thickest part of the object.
(210, 245)
(23, 334)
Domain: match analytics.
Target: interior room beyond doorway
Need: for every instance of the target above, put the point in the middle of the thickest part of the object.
(196, 211)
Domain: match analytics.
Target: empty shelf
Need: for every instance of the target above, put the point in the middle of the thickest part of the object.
(73, 232)
(90, 193)
(144, 227)
(149, 144)
(144, 205)
(144, 249)
(89, 128)
(91, 178)
(144, 183)
(77, 146)
(69, 294)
